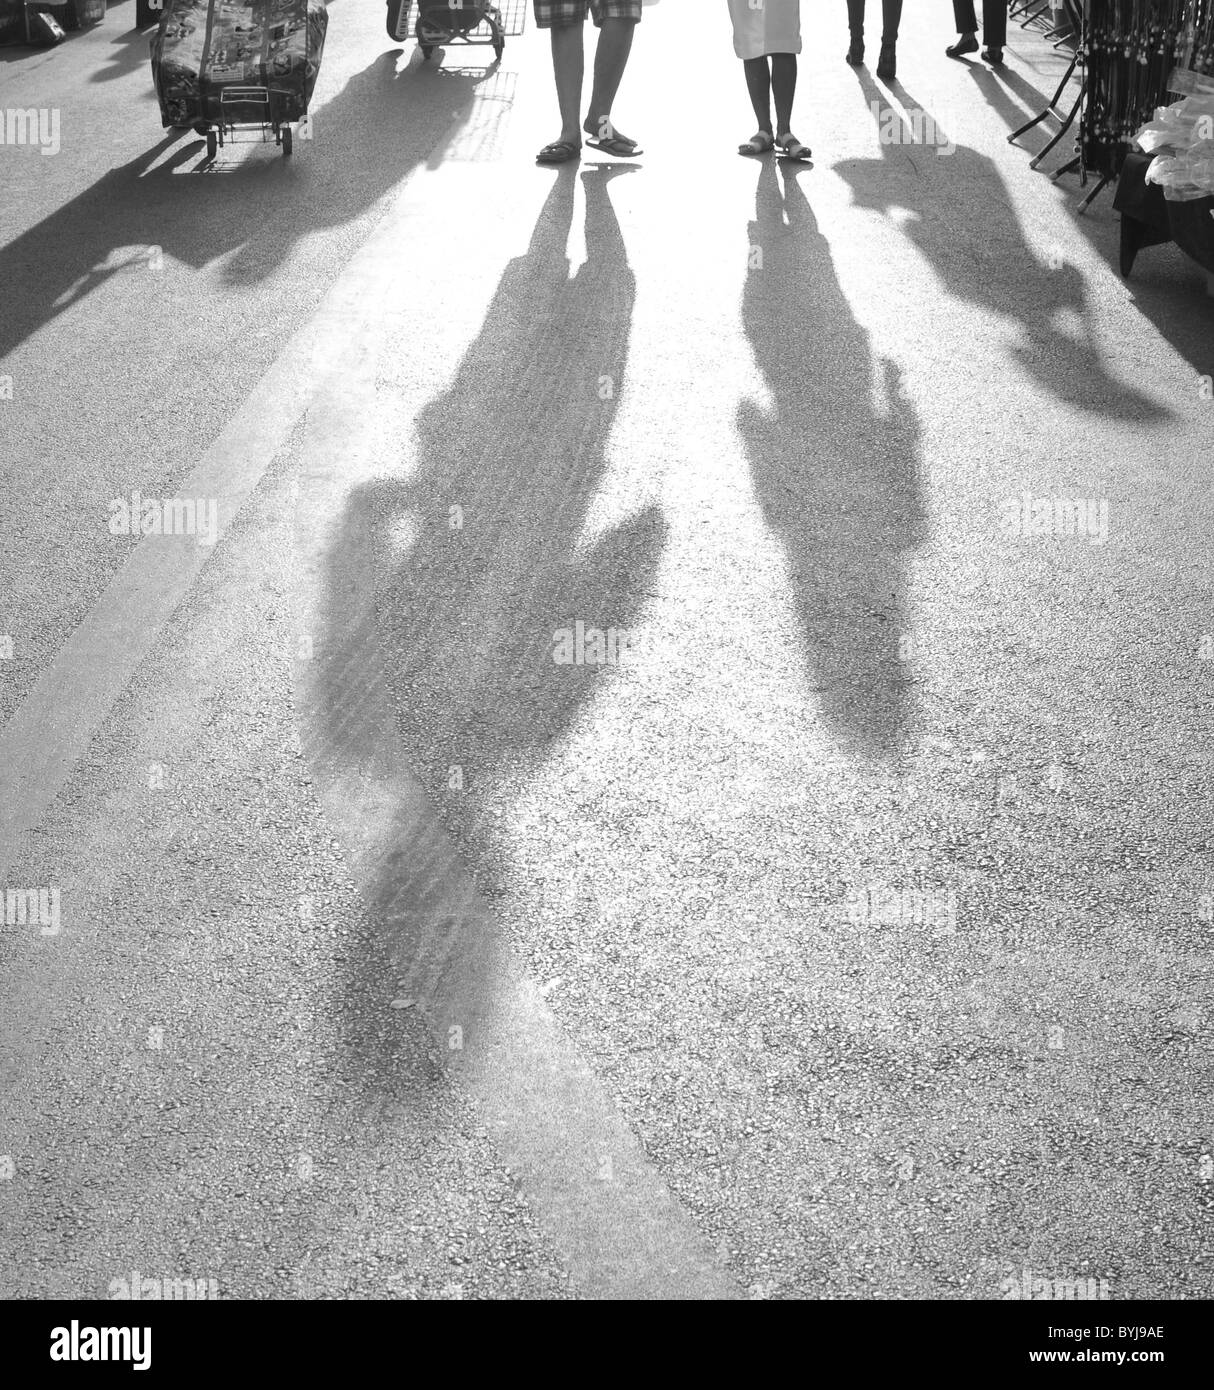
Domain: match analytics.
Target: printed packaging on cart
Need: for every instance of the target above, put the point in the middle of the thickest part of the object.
(203, 46)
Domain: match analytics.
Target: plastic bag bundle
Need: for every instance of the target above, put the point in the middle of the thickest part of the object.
(1183, 135)
(1183, 124)
(1185, 177)
(1163, 129)
(1187, 82)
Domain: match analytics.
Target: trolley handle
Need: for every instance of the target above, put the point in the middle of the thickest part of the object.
(237, 94)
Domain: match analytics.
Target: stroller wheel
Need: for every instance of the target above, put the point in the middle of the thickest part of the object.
(212, 144)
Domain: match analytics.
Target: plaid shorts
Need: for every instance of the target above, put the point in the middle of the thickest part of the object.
(556, 14)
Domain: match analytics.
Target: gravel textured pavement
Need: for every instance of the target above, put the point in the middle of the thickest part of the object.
(847, 936)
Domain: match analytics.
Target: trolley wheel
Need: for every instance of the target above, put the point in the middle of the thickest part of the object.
(286, 141)
(212, 144)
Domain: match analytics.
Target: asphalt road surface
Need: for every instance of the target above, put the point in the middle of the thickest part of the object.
(643, 792)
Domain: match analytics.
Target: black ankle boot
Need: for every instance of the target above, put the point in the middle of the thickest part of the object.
(887, 63)
(855, 54)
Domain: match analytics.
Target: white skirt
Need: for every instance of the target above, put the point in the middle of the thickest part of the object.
(773, 27)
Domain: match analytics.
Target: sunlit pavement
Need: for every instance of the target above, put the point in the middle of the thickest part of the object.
(837, 926)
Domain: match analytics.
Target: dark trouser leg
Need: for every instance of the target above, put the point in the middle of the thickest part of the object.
(784, 88)
(855, 18)
(964, 17)
(994, 23)
(891, 17)
(758, 83)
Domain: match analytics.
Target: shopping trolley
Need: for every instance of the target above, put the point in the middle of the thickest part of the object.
(222, 66)
(437, 22)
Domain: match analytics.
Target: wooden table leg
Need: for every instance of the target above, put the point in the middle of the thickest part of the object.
(1131, 239)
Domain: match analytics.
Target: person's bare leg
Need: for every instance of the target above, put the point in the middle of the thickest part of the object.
(610, 60)
(758, 84)
(784, 89)
(569, 69)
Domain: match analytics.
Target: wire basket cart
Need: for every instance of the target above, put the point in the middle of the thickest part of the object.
(267, 111)
(434, 23)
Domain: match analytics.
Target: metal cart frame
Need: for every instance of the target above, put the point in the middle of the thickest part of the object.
(274, 122)
(472, 22)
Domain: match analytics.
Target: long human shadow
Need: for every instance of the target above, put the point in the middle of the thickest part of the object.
(1182, 320)
(366, 143)
(508, 461)
(837, 476)
(968, 231)
(999, 86)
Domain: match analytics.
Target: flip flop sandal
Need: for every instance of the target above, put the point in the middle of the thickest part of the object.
(559, 152)
(620, 149)
(761, 143)
(796, 150)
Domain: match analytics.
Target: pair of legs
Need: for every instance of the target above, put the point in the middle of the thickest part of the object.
(617, 23)
(773, 75)
(891, 17)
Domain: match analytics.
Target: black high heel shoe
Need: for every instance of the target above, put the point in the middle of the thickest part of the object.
(855, 53)
(887, 63)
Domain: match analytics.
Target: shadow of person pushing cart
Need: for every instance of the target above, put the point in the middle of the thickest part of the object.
(368, 138)
(458, 632)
